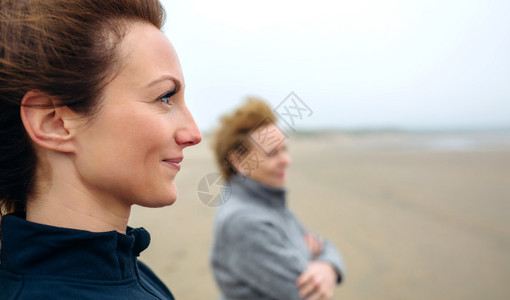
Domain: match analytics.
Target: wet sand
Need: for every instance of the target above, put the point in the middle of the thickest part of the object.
(416, 216)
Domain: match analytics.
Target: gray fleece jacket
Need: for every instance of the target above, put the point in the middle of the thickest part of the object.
(259, 249)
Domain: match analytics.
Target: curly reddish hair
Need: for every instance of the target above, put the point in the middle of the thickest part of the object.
(234, 129)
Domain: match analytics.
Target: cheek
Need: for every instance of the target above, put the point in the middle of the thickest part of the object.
(270, 166)
(127, 140)
(142, 141)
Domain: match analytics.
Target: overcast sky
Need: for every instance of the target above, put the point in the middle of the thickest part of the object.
(415, 64)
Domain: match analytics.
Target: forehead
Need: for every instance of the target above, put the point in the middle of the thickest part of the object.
(268, 138)
(146, 55)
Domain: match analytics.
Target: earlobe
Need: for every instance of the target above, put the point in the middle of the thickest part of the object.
(45, 123)
(235, 159)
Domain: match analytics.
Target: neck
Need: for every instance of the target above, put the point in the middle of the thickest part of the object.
(73, 213)
(65, 202)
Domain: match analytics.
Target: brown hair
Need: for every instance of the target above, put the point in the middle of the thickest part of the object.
(232, 135)
(65, 48)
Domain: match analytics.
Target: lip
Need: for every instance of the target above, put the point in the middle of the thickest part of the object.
(174, 162)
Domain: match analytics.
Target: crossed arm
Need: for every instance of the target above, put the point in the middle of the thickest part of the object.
(319, 279)
(267, 264)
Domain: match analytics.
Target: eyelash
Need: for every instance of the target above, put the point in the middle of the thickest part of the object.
(166, 97)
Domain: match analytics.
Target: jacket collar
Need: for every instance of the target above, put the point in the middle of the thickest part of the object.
(31, 248)
(261, 193)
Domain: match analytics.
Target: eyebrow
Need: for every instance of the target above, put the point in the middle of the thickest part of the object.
(176, 81)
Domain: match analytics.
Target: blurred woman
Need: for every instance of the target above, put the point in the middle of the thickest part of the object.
(92, 121)
(260, 249)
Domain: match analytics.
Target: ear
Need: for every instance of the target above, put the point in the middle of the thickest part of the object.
(46, 123)
(236, 159)
(230, 161)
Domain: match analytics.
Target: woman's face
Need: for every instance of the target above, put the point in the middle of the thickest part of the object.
(131, 151)
(267, 168)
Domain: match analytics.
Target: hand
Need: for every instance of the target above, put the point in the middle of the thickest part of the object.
(318, 281)
(314, 244)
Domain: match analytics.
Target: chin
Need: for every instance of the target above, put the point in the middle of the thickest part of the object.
(163, 199)
(280, 185)
(153, 203)
(170, 199)
(277, 184)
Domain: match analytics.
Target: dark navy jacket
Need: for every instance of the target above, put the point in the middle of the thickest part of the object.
(45, 262)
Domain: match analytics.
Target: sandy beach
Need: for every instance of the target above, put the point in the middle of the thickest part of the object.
(415, 215)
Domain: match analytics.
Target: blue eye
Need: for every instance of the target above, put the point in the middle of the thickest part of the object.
(166, 97)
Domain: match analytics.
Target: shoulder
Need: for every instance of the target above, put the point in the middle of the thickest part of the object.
(153, 282)
(14, 286)
(250, 224)
(11, 285)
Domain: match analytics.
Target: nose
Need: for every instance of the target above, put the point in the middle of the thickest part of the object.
(285, 158)
(188, 134)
